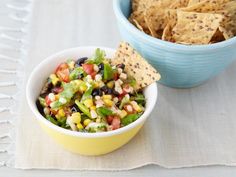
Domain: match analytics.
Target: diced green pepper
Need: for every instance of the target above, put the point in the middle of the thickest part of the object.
(76, 73)
(42, 102)
(103, 112)
(108, 72)
(51, 119)
(124, 101)
(129, 119)
(87, 94)
(56, 105)
(139, 98)
(131, 81)
(98, 57)
(83, 108)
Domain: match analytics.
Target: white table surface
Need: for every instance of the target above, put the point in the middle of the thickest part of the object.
(90, 22)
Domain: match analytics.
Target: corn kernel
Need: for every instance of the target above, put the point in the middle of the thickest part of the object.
(86, 122)
(101, 83)
(93, 107)
(96, 85)
(76, 117)
(71, 64)
(122, 114)
(79, 126)
(57, 97)
(136, 106)
(108, 102)
(83, 87)
(98, 120)
(110, 84)
(60, 114)
(54, 79)
(88, 102)
(107, 97)
(76, 82)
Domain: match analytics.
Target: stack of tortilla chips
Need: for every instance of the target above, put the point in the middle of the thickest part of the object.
(186, 21)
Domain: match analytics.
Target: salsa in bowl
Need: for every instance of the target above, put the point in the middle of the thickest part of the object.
(84, 140)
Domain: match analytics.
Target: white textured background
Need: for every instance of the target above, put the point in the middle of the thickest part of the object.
(92, 22)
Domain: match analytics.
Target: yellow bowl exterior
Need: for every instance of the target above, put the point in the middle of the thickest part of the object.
(91, 145)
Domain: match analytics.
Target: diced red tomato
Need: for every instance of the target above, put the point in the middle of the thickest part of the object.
(57, 89)
(109, 119)
(88, 68)
(93, 74)
(63, 72)
(122, 95)
(115, 123)
(47, 100)
(115, 76)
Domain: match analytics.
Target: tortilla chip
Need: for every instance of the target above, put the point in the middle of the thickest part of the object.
(167, 33)
(206, 6)
(229, 21)
(158, 16)
(137, 18)
(171, 17)
(196, 28)
(135, 65)
(138, 25)
(226, 33)
(141, 5)
(192, 2)
(155, 20)
(179, 4)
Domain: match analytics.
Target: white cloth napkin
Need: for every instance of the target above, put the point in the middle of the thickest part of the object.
(189, 127)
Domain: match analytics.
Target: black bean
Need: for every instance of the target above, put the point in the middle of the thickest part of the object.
(97, 92)
(104, 89)
(40, 107)
(58, 84)
(122, 66)
(43, 95)
(80, 61)
(115, 93)
(74, 108)
(47, 87)
(110, 91)
(101, 66)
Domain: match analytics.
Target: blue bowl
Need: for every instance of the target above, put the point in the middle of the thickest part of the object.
(181, 66)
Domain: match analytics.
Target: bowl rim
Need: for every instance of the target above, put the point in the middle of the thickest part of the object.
(42, 119)
(166, 45)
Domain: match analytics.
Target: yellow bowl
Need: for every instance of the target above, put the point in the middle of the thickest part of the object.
(77, 142)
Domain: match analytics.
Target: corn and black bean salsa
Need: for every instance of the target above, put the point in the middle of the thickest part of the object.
(90, 95)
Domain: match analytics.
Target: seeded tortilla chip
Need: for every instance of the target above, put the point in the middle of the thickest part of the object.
(195, 28)
(179, 4)
(155, 19)
(135, 65)
(138, 25)
(226, 33)
(158, 16)
(229, 22)
(167, 33)
(206, 6)
(141, 5)
(137, 18)
(192, 2)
